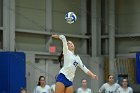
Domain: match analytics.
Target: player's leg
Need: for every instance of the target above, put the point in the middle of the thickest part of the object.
(59, 87)
(69, 89)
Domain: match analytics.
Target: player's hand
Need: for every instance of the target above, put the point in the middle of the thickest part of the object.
(95, 77)
(55, 36)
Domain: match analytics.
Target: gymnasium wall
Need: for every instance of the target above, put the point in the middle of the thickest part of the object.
(127, 25)
(1, 23)
(0, 39)
(59, 12)
(31, 16)
(1, 10)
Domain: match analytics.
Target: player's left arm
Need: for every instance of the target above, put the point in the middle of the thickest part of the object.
(87, 71)
(92, 75)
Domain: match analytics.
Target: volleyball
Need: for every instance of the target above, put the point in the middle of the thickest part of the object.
(70, 17)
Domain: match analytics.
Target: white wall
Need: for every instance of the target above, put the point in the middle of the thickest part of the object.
(30, 14)
(1, 10)
(39, 67)
(127, 16)
(1, 23)
(97, 66)
(127, 22)
(30, 42)
(60, 8)
(30, 74)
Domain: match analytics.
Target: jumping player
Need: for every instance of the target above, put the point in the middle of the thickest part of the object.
(71, 61)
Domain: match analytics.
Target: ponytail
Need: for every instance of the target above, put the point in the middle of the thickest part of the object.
(60, 59)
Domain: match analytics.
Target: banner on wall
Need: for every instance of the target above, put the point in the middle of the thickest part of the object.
(138, 68)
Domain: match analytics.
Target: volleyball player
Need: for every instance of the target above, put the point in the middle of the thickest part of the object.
(64, 81)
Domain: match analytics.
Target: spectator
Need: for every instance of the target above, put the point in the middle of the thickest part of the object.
(41, 86)
(125, 88)
(84, 88)
(110, 86)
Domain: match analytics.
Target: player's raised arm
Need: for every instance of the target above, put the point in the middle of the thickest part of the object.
(55, 36)
(63, 38)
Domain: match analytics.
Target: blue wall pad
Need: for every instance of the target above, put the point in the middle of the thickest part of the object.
(138, 68)
(12, 72)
